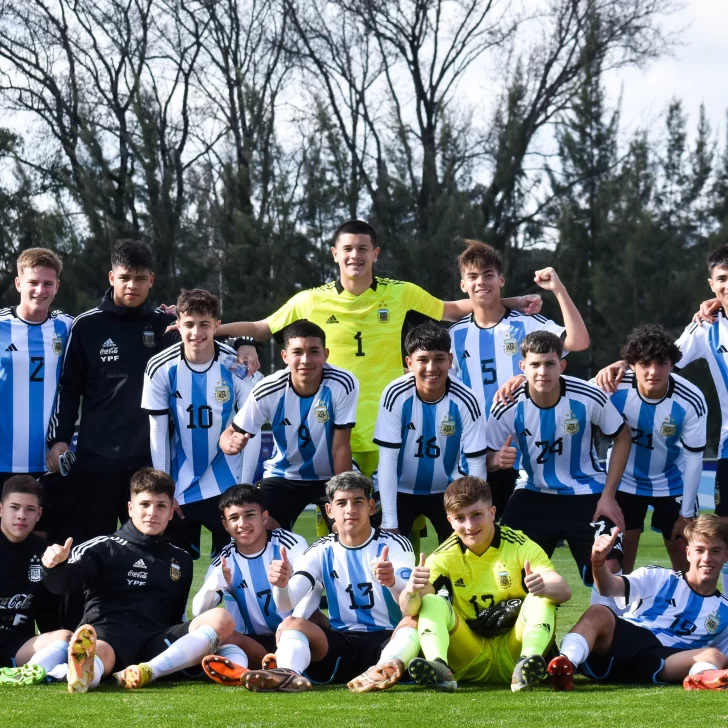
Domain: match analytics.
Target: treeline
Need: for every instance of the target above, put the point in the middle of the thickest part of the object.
(235, 135)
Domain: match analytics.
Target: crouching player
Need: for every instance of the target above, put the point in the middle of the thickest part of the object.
(503, 591)
(363, 571)
(239, 578)
(136, 586)
(672, 620)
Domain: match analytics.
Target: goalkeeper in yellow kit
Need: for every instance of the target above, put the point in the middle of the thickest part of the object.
(503, 591)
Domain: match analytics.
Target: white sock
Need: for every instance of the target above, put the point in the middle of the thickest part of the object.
(98, 672)
(575, 647)
(293, 651)
(404, 645)
(185, 652)
(701, 667)
(234, 654)
(56, 653)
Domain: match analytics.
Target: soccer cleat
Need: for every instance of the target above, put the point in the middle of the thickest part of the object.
(278, 680)
(433, 674)
(561, 671)
(134, 676)
(223, 671)
(528, 672)
(707, 680)
(378, 677)
(269, 662)
(81, 654)
(23, 675)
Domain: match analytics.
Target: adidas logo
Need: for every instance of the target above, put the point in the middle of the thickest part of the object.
(177, 395)
(426, 631)
(285, 421)
(108, 342)
(139, 564)
(243, 585)
(332, 320)
(460, 582)
(526, 433)
(545, 627)
(466, 354)
(334, 575)
(12, 347)
(410, 426)
(722, 349)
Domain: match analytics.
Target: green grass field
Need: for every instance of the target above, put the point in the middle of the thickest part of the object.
(178, 705)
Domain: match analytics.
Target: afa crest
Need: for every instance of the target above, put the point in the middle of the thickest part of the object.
(222, 392)
(448, 426)
(321, 412)
(383, 315)
(57, 345)
(148, 338)
(571, 424)
(175, 571)
(34, 572)
(510, 345)
(712, 622)
(503, 579)
(669, 427)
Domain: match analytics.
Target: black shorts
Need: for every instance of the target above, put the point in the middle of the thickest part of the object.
(721, 487)
(547, 519)
(502, 484)
(132, 646)
(634, 508)
(266, 641)
(287, 499)
(636, 656)
(430, 505)
(10, 643)
(349, 655)
(185, 532)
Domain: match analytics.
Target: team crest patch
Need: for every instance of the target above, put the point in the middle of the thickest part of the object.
(148, 338)
(668, 427)
(321, 412)
(175, 571)
(510, 345)
(448, 426)
(503, 579)
(571, 424)
(57, 345)
(34, 573)
(222, 392)
(712, 622)
(383, 315)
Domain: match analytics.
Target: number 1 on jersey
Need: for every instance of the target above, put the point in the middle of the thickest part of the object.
(359, 347)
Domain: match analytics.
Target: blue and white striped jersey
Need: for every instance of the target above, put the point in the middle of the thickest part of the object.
(249, 598)
(660, 431)
(31, 357)
(201, 405)
(430, 436)
(710, 342)
(557, 443)
(662, 601)
(303, 427)
(357, 602)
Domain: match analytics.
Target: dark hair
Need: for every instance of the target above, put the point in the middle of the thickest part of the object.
(149, 480)
(132, 255)
(479, 255)
(198, 302)
(718, 259)
(22, 484)
(303, 329)
(650, 343)
(427, 337)
(356, 227)
(240, 495)
(465, 491)
(350, 480)
(542, 342)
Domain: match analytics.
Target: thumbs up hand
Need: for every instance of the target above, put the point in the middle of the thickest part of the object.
(533, 581)
(280, 572)
(507, 454)
(603, 545)
(383, 569)
(419, 578)
(56, 554)
(227, 572)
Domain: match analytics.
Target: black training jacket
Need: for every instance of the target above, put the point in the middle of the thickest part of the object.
(103, 371)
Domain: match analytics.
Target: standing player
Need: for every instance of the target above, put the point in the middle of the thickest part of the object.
(189, 384)
(672, 618)
(552, 421)
(32, 342)
(238, 577)
(363, 571)
(426, 420)
(486, 343)
(136, 585)
(311, 407)
(666, 416)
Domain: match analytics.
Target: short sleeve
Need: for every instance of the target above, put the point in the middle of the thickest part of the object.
(252, 416)
(155, 392)
(417, 299)
(345, 404)
(538, 560)
(296, 552)
(293, 310)
(388, 427)
(693, 343)
(644, 583)
(607, 418)
(694, 432)
(438, 573)
(498, 427)
(473, 443)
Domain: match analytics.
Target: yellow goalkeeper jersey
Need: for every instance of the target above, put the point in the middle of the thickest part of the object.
(363, 334)
(478, 582)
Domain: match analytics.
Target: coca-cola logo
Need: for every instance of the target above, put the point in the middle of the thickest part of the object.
(17, 601)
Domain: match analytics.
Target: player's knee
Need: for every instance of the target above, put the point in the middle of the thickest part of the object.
(220, 620)
(293, 623)
(714, 656)
(599, 615)
(63, 635)
(408, 622)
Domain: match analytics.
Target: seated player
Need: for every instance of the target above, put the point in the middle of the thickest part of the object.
(667, 417)
(25, 657)
(238, 577)
(485, 344)
(503, 591)
(426, 420)
(311, 407)
(189, 383)
(363, 571)
(552, 421)
(671, 622)
(136, 586)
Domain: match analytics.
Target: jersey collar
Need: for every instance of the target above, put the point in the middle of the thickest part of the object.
(257, 553)
(215, 357)
(494, 544)
(667, 395)
(562, 385)
(14, 312)
(373, 534)
(341, 289)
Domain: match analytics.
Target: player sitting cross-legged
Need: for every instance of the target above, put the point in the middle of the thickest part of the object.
(672, 620)
(363, 571)
(136, 587)
(503, 591)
